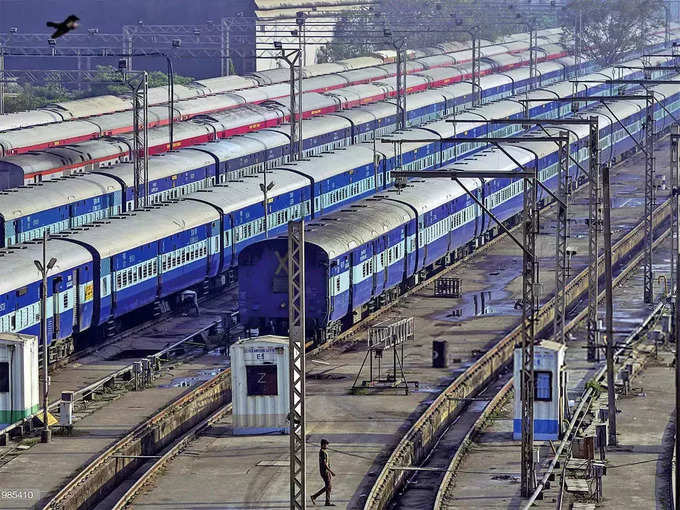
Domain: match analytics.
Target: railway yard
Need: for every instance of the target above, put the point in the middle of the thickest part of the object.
(211, 307)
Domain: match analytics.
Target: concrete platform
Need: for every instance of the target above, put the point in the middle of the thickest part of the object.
(252, 472)
(110, 358)
(45, 468)
(638, 469)
(48, 467)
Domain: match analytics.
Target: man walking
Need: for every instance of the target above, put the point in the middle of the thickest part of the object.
(325, 472)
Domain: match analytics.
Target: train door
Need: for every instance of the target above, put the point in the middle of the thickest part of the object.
(332, 287)
(377, 171)
(351, 261)
(375, 260)
(77, 301)
(56, 317)
(478, 211)
(423, 233)
(450, 208)
(420, 241)
(385, 261)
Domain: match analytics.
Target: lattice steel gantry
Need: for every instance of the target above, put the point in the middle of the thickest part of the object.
(593, 238)
(138, 81)
(296, 375)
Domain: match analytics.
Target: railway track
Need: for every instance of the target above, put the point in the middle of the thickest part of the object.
(151, 438)
(419, 441)
(426, 487)
(149, 471)
(177, 351)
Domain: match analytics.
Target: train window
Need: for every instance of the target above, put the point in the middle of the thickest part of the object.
(145, 271)
(104, 289)
(164, 264)
(124, 279)
(337, 284)
(139, 273)
(184, 257)
(119, 282)
(4, 377)
(543, 386)
(66, 300)
(154, 266)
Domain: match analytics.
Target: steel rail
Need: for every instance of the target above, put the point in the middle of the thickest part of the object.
(414, 444)
(457, 459)
(460, 453)
(58, 502)
(224, 378)
(584, 405)
(108, 379)
(91, 481)
(173, 451)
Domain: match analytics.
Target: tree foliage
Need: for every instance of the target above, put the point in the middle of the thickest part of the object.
(107, 81)
(611, 28)
(30, 97)
(433, 22)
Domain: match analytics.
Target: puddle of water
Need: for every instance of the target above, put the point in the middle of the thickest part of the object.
(478, 405)
(618, 202)
(427, 389)
(493, 301)
(186, 382)
(134, 353)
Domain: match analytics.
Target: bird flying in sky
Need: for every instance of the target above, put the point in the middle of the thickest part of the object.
(65, 26)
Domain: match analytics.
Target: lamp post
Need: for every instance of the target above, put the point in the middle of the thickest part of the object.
(44, 267)
(399, 46)
(300, 20)
(176, 43)
(266, 188)
(293, 58)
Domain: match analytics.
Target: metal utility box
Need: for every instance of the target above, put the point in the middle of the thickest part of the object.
(19, 390)
(66, 409)
(550, 385)
(259, 385)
